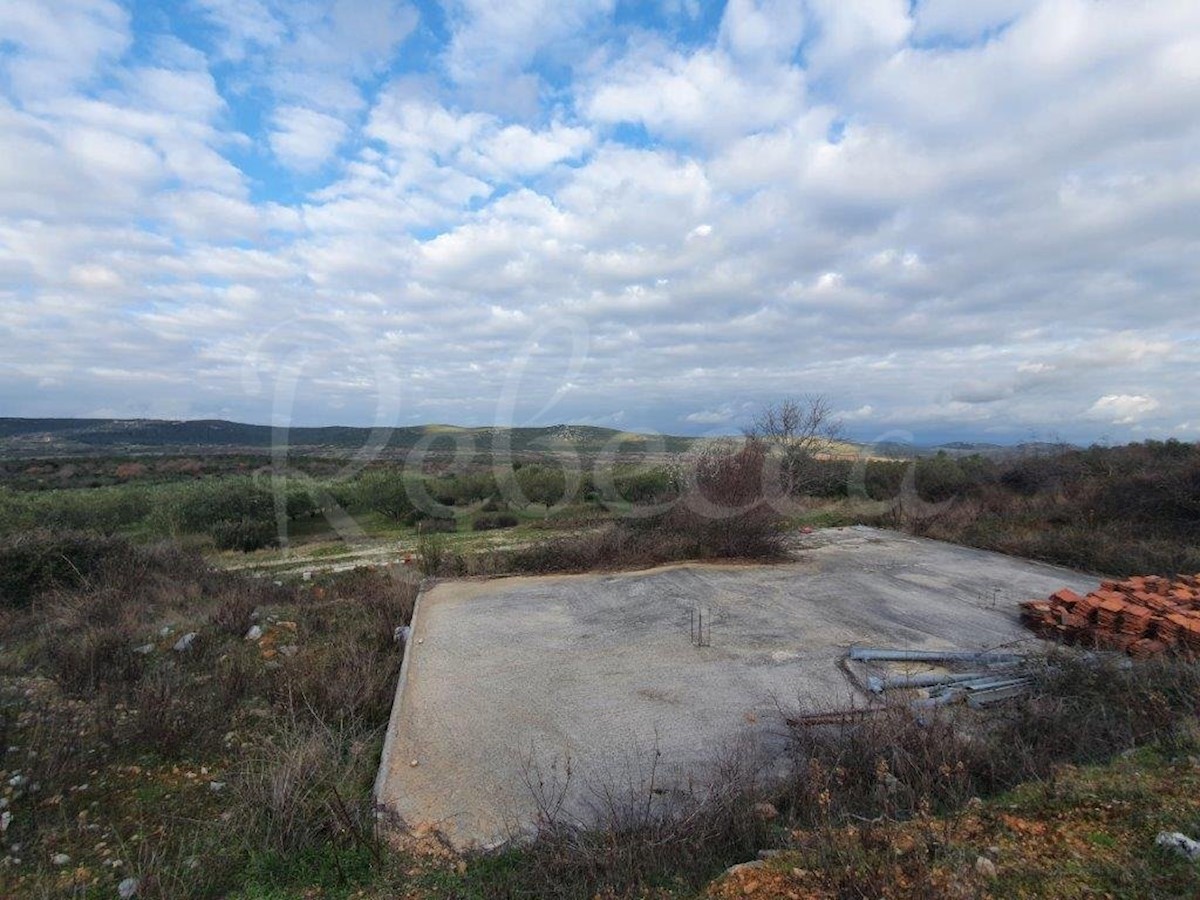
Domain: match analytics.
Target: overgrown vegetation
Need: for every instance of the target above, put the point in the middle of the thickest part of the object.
(724, 513)
(243, 765)
(153, 735)
(1119, 511)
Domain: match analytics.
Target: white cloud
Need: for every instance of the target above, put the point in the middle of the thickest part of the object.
(966, 21)
(244, 23)
(496, 38)
(1123, 409)
(516, 150)
(52, 47)
(305, 139)
(704, 95)
(721, 416)
(762, 30)
(853, 37)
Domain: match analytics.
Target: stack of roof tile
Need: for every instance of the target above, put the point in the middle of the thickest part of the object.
(1142, 616)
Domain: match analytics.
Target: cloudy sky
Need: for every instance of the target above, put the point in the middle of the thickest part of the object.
(957, 219)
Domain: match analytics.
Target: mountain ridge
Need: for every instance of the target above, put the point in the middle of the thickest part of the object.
(66, 435)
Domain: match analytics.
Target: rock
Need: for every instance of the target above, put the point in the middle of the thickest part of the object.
(306, 575)
(289, 649)
(216, 786)
(985, 867)
(402, 634)
(165, 630)
(127, 888)
(5, 821)
(185, 643)
(144, 650)
(766, 811)
(1180, 843)
(744, 867)
(254, 633)
(60, 859)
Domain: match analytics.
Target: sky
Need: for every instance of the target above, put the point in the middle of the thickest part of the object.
(952, 220)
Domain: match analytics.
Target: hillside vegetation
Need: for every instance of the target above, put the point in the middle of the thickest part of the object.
(74, 436)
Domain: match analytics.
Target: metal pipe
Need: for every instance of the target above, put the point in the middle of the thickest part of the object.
(940, 699)
(988, 684)
(880, 654)
(982, 685)
(985, 698)
(877, 684)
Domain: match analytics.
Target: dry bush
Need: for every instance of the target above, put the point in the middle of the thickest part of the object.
(1119, 511)
(93, 657)
(386, 595)
(345, 681)
(898, 762)
(724, 515)
(86, 637)
(349, 674)
(892, 764)
(234, 612)
(637, 831)
(432, 553)
(290, 792)
(165, 720)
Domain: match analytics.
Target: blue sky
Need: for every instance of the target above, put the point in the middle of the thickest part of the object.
(952, 219)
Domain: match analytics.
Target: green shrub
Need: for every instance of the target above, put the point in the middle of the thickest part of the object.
(497, 520)
(543, 485)
(300, 504)
(644, 485)
(437, 524)
(245, 535)
(36, 561)
(385, 493)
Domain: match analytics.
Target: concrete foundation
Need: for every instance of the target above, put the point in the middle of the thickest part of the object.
(509, 683)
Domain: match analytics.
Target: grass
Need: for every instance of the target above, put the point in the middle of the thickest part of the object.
(1088, 832)
(114, 753)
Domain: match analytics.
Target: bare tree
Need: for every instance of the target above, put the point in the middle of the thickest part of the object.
(797, 432)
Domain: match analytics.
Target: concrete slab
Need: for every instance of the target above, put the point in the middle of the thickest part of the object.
(509, 678)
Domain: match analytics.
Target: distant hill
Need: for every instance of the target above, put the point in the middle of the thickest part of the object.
(49, 437)
(1028, 448)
